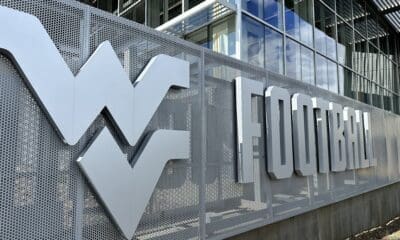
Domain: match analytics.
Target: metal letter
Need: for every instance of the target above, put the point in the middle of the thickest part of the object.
(279, 133)
(363, 160)
(321, 111)
(246, 128)
(125, 191)
(337, 141)
(72, 103)
(368, 139)
(350, 135)
(303, 135)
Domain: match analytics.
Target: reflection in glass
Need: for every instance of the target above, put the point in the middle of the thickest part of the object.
(387, 100)
(376, 95)
(307, 65)
(326, 72)
(254, 7)
(373, 63)
(345, 44)
(199, 37)
(273, 51)
(253, 42)
(360, 55)
(223, 37)
(333, 85)
(293, 63)
(269, 10)
(325, 31)
(273, 12)
(346, 77)
(298, 19)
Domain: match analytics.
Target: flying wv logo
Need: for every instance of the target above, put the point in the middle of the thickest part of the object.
(73, 102)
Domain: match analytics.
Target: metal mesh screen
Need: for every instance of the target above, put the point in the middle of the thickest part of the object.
(45, 196)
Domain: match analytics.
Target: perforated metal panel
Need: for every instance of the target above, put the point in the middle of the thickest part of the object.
(44, 195)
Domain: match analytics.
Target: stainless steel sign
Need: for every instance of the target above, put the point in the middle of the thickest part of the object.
(72, 103)
(341, 136)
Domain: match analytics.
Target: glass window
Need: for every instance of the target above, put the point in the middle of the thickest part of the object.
(293, 64)
(360, 55)
(269, 10)
(330, 3)
(376, 95)
(156, 14)
(199, 37)
(273, 51)
(321, 69)
(343, 8)
(307, 65)
(298, 19)
(392, 47)
(325, 31)
(373, 63)
(193, 3)
(333, 85)
(253, 42)
(223, 36)
(362, 88)
(326, 72)
(254, 7)
(345, 44)
(396, 108)
(346, 78)
(273, 12)
(387, 100)
(359, 16)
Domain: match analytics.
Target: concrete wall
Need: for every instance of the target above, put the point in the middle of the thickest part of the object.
(336, 221)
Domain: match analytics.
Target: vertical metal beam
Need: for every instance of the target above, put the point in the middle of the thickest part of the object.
(238, 26)
(203, 158)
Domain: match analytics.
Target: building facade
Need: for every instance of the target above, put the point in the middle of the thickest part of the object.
(346, 47)
(113, 130)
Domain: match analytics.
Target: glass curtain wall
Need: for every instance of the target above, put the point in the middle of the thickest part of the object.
(338, 45)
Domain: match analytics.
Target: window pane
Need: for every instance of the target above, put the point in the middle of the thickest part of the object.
(376, 96)
(255, 7)
(330, 3)
(298, 18)
(373, 64)
(387, 100)
(273, 51)
(199, 37)
(293, 64)
(321, 68)
(341, 77)
(253, 42)
(396, 108)
(223, 37)
(273, 12)
(345, 44)
(307, 65)
(325, 31)
(360, 55)
(343, 8)
(346, 76)
(332, 76)
(359, 16)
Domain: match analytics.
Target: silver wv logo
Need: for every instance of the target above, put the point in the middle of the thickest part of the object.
(73, 102)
